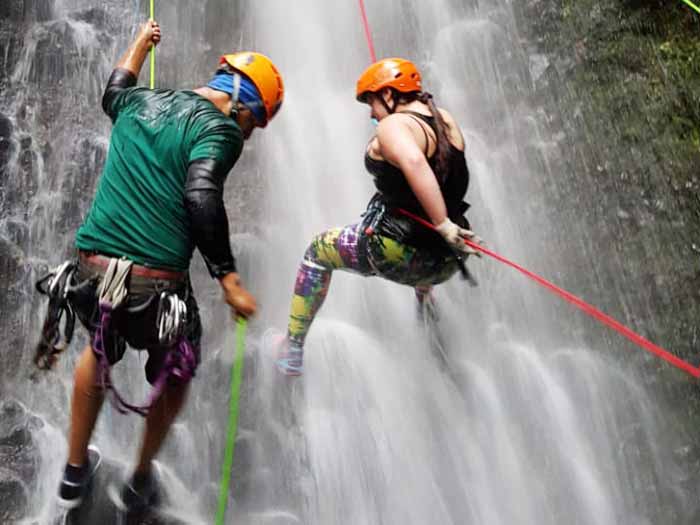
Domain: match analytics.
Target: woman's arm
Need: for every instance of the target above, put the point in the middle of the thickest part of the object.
(398, 146)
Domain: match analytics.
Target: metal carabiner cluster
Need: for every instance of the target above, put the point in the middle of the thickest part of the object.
(172, 318)
(56, 285)
(53, 284)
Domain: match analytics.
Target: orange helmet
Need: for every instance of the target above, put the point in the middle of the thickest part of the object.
(264, 75)
(396, 73)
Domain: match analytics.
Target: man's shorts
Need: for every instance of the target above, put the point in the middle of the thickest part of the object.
(135, 322)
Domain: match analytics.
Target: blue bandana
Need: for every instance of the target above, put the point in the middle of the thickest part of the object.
(247, 92)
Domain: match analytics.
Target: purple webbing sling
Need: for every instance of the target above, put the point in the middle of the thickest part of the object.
(180, 361)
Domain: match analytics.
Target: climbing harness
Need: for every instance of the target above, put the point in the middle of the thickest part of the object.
(56, 285)
(372, 217)
(180, 361)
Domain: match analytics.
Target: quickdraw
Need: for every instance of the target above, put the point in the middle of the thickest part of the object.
(57, 286)
(172, 319)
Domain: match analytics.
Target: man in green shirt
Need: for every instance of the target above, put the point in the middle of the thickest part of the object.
(160, 196)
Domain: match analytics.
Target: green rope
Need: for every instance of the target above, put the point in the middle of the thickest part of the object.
(691, 4)
(153, 50)
(237, 373)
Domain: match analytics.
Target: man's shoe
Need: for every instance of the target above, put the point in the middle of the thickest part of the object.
(140, 494)
(76, 480)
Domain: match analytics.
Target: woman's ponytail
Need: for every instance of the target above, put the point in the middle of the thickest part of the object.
(442, 145)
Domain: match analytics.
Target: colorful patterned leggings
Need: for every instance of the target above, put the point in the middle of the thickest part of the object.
(350, 250)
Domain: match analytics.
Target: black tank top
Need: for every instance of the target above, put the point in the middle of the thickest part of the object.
(394, 192)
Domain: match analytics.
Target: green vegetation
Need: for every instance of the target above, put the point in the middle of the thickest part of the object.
(639, 61)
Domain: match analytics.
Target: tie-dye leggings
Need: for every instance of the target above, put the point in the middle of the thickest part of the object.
(350, 250)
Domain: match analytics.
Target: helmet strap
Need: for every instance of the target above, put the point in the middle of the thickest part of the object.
(389, 110)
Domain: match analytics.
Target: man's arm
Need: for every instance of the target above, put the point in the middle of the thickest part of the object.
(135, 56)
(129, 66)
(204, 192)
(204, 201)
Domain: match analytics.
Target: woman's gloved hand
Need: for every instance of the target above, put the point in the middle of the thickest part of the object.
(455, 237)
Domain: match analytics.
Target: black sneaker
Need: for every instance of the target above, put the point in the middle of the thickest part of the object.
(76, 480)
(140, 494)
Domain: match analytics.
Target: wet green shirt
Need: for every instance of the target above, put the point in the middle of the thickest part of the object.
(138, 211)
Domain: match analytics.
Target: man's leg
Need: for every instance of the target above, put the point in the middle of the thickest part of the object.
(141, 491)
(158, 422)
(85, 407)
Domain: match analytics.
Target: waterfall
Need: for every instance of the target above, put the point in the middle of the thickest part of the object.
(513, 419)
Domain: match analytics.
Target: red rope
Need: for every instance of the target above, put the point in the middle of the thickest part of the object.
(368, 33)
(581, 304)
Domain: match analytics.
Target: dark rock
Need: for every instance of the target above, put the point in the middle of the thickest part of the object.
(25, 176)
(18, 438)
(97, 17)
(12, 414)
(62, 56)
(86, 165)
(24, 11)
(19, 459)
(13, 497)
(7, 146)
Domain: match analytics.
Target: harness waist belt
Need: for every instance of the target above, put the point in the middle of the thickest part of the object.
(142, 271)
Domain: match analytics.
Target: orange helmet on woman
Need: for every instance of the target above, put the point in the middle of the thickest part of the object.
(397, 73)
(264, 75)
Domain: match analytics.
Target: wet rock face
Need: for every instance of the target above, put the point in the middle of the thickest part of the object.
(618, 84)
(25, 10)
(19, 464)
(14, 16)
(52, 147)
(6, 147)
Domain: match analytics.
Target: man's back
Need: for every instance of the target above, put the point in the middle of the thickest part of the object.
(138, 210)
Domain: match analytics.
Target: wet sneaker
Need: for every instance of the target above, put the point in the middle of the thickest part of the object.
(76, 480)
(139, 494)
(290, 358)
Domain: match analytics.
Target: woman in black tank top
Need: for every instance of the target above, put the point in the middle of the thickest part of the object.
(417, 160)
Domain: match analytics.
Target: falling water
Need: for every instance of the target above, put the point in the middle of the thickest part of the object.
(503, 418)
